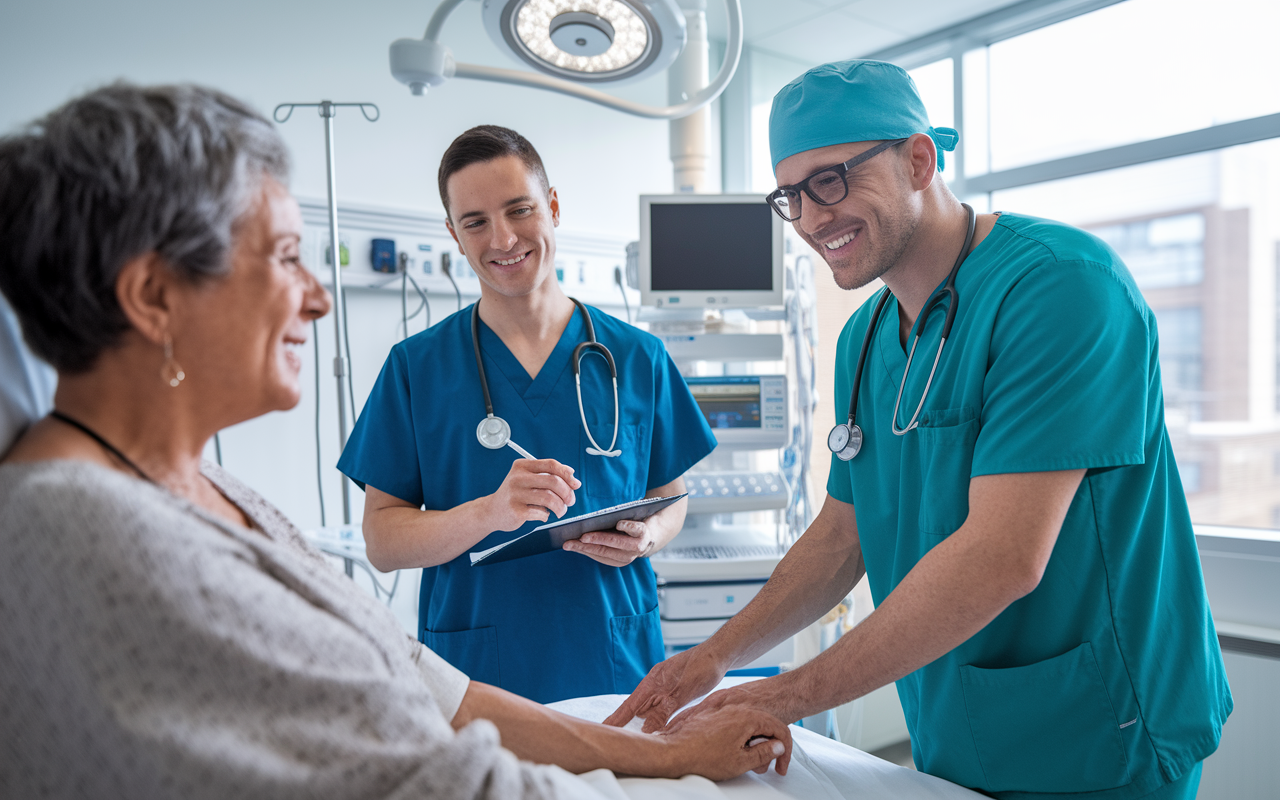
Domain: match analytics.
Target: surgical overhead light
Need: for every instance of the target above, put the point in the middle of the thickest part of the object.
(572, 42)
(588, 40)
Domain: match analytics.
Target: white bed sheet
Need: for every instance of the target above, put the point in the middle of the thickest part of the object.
(821, 769)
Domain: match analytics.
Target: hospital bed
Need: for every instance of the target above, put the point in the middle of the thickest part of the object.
(821, 769)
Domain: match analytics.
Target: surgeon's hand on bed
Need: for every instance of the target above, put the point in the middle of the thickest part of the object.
(617, 548)
(532, 490)
(668, 687)
(730, 742)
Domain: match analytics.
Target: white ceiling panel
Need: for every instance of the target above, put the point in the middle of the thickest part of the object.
(814, 31)
(918, 17)
(761, 18)
(834, 37)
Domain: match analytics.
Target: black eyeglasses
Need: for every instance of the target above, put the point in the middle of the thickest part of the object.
(826, 187)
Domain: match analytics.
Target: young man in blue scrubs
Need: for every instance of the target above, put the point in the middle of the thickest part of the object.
(1039, 599)
(581, 621)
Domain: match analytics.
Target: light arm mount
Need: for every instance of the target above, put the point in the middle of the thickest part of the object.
(425, 62)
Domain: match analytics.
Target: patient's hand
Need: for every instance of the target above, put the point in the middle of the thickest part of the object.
(668, 687)
(728, 742)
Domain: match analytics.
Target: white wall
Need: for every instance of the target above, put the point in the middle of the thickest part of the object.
(268, 52)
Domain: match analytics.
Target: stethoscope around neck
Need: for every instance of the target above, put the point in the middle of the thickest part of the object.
(845, 439)
(494, 432)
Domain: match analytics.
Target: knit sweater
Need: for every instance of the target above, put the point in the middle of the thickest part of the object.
(151, 649)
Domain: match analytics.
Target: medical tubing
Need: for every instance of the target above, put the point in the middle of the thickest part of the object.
(315, 348)
(626, 304)
(378, 589)
(448, 273)
(426, 305)
(217, 447)
(346, 342)
(733, 52)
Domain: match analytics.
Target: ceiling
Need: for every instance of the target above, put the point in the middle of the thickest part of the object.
(815, 31)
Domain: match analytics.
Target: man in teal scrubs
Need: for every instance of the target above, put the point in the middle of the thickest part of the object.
(1039, 599)
(581, 621)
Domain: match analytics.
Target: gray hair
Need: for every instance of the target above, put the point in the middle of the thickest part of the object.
(115, 174)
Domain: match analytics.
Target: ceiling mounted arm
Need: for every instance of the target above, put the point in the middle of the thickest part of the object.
(438, 17)
(426, 62)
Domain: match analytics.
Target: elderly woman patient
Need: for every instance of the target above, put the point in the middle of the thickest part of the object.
(166, 632)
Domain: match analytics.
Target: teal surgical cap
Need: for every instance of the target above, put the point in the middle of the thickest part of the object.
(850, 101)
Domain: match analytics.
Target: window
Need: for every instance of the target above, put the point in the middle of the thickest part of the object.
(1160, 252)
(1136, 70)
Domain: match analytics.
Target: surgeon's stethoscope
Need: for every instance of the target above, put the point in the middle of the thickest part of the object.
(494, 432)
(845, 439)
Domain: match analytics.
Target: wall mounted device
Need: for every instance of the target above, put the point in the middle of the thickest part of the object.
(715, 251)
(743, 410)
(613, 40)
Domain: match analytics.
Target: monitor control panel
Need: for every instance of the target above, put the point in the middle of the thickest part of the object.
(746, 411)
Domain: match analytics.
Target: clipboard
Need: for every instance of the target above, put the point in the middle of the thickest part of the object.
(552, 536)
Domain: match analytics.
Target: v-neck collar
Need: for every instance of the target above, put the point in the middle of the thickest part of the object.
(500, 361)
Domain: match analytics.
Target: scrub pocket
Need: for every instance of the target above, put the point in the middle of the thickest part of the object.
(623, 478)
(475, 651)
(946, 440)
(1045, 727)
(636, 645)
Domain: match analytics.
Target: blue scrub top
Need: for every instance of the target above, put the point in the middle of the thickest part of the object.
(557, 625)
(1107, 679)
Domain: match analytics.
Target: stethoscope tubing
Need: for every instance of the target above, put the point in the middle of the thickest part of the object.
(947, 291)
(589, 346)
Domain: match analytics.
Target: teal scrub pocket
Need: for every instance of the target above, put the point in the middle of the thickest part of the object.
(946, 458)
(1045, 727)
(475, 651)
(636, 644)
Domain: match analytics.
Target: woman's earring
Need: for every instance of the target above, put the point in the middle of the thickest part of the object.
(171, 372)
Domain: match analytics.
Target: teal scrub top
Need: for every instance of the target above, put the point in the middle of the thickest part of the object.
(557, 625)
(1107, 679)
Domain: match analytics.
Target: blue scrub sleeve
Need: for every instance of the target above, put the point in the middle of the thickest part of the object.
(1071, 362)
(681, 435)
(382, 451)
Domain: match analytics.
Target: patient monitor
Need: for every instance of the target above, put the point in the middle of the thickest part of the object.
(710, 251)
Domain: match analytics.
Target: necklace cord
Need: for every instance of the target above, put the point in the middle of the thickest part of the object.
(92, 434)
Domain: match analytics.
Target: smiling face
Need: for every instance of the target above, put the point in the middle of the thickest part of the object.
(863, 236)
(504, 222)
(239, 337)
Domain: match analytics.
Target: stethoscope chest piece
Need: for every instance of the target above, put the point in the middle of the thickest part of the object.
(845, 440)
(493, 432)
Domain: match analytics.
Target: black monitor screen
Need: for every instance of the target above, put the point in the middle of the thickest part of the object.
(710, 247)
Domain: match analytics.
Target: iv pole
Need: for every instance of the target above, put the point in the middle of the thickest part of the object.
(341, 369)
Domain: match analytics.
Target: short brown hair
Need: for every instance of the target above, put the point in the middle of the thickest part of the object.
(486, 143)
